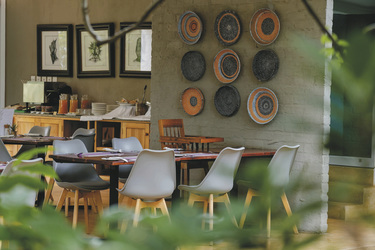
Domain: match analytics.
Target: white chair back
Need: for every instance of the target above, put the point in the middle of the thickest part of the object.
(87, 136)
(4, 154)
(20, 194)
(281, 164)
(219, 178)
(130, 144)
(153, 175)
(43, 131)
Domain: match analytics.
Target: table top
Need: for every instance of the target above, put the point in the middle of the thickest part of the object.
(190, 139)
(31, 140)
(129, 158)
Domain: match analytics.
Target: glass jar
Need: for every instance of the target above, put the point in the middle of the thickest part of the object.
(63, 104)
(85, 102)
(73, 103)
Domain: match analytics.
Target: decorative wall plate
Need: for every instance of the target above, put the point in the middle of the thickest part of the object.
(193, 65)
(192, 100)
(190, 27)
(227, 27)
(264, 26)
(227, 66)
(262, 105)
(265, 65)
(227, 100)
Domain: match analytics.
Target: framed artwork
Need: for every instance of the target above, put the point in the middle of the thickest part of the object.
(55, 50)
(94, 60)
(136, 46)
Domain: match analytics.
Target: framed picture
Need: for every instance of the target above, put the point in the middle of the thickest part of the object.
(94, 60)
(55, 50)
(136, 49)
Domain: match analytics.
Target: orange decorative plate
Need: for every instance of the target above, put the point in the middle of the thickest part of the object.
(262, 105)
(227, 27)
(190, 27)
(227, 66)
(192, 100)
(264, 26)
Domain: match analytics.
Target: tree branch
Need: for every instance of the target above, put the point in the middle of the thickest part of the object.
(322, 27)
(120, 33)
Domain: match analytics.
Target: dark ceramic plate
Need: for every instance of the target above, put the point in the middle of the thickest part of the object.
(227, 100)
(193, 65)
(265, 65)
(227, 27)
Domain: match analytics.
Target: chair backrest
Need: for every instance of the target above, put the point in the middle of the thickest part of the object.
(43, 131)
(20, 194)
(171, 128)
(130, 144)
(87, 136)
(220, 177)
(153, 175)
(281, 164)
(4, 154)
(72, 172)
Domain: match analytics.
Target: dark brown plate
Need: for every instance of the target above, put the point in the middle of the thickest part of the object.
(227, 27)
(227, 100)
(265, 65)
(193, 65)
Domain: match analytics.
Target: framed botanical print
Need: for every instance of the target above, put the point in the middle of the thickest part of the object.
(95, 60)
(136, 47)
(55, 50)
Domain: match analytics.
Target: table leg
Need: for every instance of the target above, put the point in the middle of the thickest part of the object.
(176, 192)
(113, 182)
(41, 195)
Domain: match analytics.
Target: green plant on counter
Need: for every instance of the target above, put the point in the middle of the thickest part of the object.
(12, 129)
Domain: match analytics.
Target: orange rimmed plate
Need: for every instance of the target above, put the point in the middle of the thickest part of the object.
(262, 105)
(264, 26)
(227, 27)
(192, 100)
(227, 66)
(190, 27)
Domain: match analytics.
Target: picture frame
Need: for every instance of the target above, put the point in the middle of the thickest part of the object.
(136, 48)
(55, 50)
(93, 60)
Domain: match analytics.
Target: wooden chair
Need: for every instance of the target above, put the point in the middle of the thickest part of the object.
(175, 128)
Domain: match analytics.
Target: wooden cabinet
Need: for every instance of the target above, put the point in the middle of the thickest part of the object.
(105, 129)
(136, 129)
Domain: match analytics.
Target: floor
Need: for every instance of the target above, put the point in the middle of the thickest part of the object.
(340, 235)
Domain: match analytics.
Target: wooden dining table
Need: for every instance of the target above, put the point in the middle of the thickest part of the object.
(181, 158)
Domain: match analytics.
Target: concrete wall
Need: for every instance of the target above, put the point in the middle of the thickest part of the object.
(299, 86)
(22, 18)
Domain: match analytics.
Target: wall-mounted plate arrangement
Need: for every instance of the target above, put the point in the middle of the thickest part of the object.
(264, 26)
(227, 66)
(190, 27)
(193, 65)
(227, 100)
(265, 65)
(192, 100)
(227, 27)
(262, 105)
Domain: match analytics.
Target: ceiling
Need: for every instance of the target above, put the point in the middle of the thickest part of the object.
(354, 6)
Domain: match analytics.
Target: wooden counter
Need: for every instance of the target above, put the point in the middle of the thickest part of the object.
(64, 126)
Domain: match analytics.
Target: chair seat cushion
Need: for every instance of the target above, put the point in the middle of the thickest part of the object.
(124, 171)
(196, 189)
(85, 185)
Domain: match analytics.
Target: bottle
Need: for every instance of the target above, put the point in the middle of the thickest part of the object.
(85, 102)
(73, 103)
(63, 104)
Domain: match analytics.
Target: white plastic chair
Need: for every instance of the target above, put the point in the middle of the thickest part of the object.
(279, 170)
(79, 180)
(4, 154)
(126, 145)
(151, 180)
(21, 194)
(87, 136)
(217, 183)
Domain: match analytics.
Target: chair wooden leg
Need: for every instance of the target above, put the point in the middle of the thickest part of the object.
(98, 201)
(191, 200)
(269, 223)
(93, 202)
(228, 206)
(75, 212)
(86, 212)
(211, 210)
(61, 200)
(164, 208)
(248, 198)
(205, 205)
(48, 196)
(67, 203)
(284, 199)
(137, 212)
